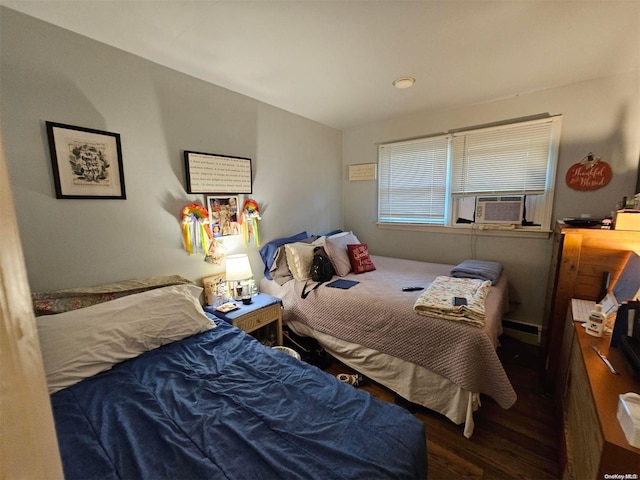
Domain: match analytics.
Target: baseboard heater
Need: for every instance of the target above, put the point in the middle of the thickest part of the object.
(527, 328)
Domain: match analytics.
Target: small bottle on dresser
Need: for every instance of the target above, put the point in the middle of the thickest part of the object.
(595, 324)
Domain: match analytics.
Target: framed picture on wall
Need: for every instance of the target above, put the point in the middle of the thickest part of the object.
(223, 215)
(86, 163)
(221, 174)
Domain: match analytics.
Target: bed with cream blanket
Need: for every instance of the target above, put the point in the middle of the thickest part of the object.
(440, 363)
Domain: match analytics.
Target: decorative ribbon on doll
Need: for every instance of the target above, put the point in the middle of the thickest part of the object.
(249, 218)
(196, 231)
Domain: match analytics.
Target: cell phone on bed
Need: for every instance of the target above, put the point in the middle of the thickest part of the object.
(459, 301)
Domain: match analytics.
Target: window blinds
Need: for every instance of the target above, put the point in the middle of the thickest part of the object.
(511, 159)
(426, 180)
(412, 181)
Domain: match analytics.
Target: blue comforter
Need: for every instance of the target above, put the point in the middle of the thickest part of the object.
(221, 405)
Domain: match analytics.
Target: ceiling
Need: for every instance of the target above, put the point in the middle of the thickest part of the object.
(334, 61)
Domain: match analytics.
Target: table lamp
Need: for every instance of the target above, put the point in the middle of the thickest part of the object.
(238, 275)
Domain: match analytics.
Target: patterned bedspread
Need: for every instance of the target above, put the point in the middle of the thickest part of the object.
(377, 314)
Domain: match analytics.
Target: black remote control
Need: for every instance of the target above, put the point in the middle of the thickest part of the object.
(412, 289)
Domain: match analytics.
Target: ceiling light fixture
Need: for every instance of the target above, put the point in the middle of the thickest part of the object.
(404, 82)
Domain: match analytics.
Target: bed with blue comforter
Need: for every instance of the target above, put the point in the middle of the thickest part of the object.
(218, 404)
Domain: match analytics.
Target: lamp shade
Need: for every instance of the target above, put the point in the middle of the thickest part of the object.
(238, 268)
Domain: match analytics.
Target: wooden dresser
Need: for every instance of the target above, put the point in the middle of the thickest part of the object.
(596, 446)
(586, 392)
(580, 257)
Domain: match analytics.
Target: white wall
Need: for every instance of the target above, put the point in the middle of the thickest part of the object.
(600, 116)
(47, 73)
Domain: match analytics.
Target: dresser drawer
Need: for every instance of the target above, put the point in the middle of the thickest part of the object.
(584, 439)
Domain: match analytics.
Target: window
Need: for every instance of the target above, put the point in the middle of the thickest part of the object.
(413, 179)
(435, 180)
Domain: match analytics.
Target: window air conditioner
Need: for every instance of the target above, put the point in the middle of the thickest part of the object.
(507, 209)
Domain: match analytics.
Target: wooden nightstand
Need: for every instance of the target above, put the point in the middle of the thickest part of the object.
(264, 310)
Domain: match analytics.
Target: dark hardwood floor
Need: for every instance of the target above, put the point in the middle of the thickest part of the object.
(521, 442)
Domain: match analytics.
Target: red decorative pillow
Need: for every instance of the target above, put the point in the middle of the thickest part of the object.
(359, 258)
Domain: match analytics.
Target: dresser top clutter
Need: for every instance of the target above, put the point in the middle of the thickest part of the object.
(582, 258)
(595, 444)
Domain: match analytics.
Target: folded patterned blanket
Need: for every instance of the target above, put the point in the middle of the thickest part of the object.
(437, 299)
(480, 269)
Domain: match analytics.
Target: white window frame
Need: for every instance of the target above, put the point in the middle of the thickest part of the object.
(541, 199)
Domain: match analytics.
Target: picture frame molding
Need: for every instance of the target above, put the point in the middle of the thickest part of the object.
(63, 177)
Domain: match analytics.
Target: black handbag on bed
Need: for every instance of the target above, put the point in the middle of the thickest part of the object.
(321, 270)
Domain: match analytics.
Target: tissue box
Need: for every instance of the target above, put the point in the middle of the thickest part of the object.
(629, 417)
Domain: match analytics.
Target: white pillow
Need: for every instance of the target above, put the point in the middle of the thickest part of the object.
(336, 248)
(84, 342)
(300, 257)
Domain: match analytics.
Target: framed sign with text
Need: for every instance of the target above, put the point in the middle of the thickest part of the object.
(362, 171)
(211, 173)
